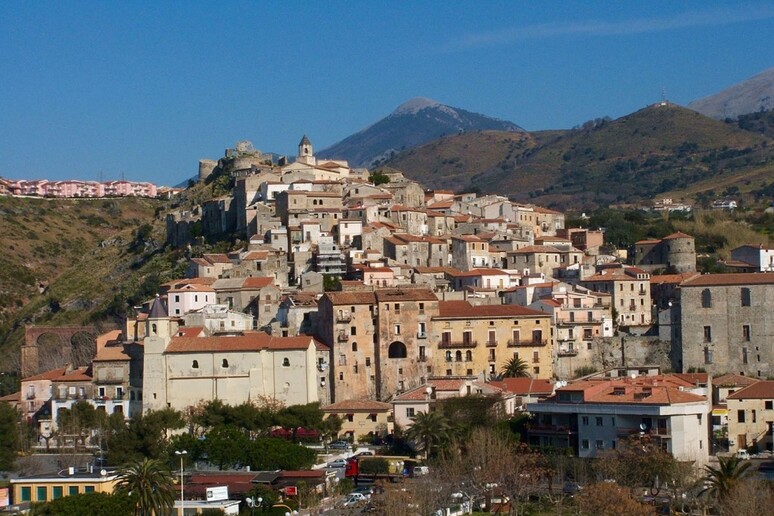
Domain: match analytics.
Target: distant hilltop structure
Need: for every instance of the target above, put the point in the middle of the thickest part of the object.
(76, 189)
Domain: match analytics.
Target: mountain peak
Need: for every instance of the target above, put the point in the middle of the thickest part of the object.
(411, 106)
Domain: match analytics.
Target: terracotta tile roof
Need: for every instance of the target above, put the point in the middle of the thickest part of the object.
(81, 374)
(48, 375)
(217, 258)
(189, 287)
(467, 238)
(441, 205)
(546, 211)
(693, 378)
(111, 354)
(358, 406)
(259, 282)
(189, 281)
(200, 261)
(351, 298)
(678, 234)
(733, 380)
(256, 255)
(11, 398)
(463, 309)
(525, 385)
(719, 280)
(662, 279)
(642, 390)
(252, 341)
(377, 269)
(476, 273)
(763, 390)
(405, 237)
(647, 241)
(190, 331)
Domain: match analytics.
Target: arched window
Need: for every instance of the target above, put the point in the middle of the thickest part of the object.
(468, 356)
(195, 364)
(354, 346)
(224, 363)
(397, 350)
(706, 298)
(153, 329)
(286, 362)
(458, 356)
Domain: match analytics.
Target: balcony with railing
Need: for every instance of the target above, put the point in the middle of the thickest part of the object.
(663, 432)
(552, 429)
(567, 353)
(343, 317)
(491, 343)
(421, 334)
(342, 336)
(458, 344)
(527, 343)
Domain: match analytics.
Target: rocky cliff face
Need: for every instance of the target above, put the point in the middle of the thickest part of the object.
(753, 95)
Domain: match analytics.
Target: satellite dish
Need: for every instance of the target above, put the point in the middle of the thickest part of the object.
(103, 472)
(643, 427)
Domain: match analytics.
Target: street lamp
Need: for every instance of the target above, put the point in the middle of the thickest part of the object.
(253, 502)
(181, 454)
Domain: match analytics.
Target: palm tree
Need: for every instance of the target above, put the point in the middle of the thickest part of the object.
(429, 431)
(151, 484)
(516, 368)
(722, 480)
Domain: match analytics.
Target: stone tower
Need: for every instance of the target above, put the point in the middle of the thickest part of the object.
(679, 252)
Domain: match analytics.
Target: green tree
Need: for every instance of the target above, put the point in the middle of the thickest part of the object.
(95, 504)
(80, 420)
(516, 368)
(378, 178)
(9, 436)
(721, 481)
(151, 486)
(225, 446)
(430, 431)
(269, 453)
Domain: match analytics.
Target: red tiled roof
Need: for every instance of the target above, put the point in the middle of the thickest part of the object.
(662, 279)
(259, 282)
(351, 298)
(463, 309)
(719, 280)
(252, 341)
(733, 380)
(48, 375)
(111, 354)
(409, 294)
(759, 390)
(256, 255)
(476, 272)
(678, 234)
(82, 374)
(217, 258)
(535, 249)
(190, 287)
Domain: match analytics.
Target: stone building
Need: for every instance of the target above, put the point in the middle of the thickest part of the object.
(629, 288)
(379, 340)
(676, 253)
(726, 324)
(751, 417)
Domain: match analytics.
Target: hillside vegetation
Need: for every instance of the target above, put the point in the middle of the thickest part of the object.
(72, 262)
(657, 150)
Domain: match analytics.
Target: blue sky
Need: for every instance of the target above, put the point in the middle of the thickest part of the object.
(146, 89)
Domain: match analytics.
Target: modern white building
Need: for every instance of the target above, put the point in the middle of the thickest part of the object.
(599, 414)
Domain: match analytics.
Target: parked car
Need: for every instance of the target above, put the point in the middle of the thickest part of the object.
(421, 470)
(743, 454)
(355, 499)
(360, 453)
(338, 463)
(367, 491)
(339, 445)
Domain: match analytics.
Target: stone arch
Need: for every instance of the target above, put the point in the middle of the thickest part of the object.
(49, 347)
(397, 350)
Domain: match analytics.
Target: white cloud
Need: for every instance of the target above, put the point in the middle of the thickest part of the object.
(609, 28)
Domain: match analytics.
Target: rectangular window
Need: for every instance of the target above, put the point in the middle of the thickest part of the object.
(397, 329)
(88, 489)
(708, 334)
(466, 338)
(409, 411)
(26, 494)
(56, 492)
(600, 444)
(599, 421)
(446, 338)
(769, 405)
(72, 490)
(584, 420)
(744, 355)
(353, 330)
(585, 444)
(40, 493)
(745, 296)
(740, 416)
(746, 332)
(535, 357)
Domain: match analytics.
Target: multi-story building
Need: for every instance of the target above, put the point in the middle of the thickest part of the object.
(630, 291)
(755, 257)
(360, 418)
(751, 417)
(479, 340)
(471, 252)
(543, 259)
(180, 371)
(379, 340)
(726, 323)
(417, 251)
(595, 415)
(189, 297)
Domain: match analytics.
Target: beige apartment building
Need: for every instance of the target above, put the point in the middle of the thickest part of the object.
(630, 291)
(360, 418)
(480, 340)
(751, 417)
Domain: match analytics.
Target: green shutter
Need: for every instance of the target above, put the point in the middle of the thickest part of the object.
(26, 494)
(72, 490)
(41, 493)
(56, 492)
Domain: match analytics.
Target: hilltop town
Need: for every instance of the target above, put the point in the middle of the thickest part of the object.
(378, 300)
